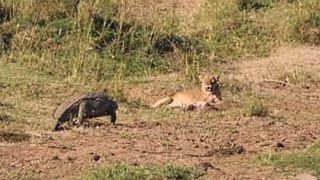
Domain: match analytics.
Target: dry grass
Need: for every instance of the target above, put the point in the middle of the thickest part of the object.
(149, 12)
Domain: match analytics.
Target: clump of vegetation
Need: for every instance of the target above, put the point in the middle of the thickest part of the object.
(308, 31)
(4, 118)
(90, 41)
(254, 4)
(139, 172)
(5, 13)
(305, 26)
(256, 108)
(236, 33)
(96, 41)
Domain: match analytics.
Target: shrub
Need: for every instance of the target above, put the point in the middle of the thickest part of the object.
(254, 4)
(256, 108)
(305, 22)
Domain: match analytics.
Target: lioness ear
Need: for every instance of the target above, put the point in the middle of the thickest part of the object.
(200, 77)
(213, 79)
(218, 77)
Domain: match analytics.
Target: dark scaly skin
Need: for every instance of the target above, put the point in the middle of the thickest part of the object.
(85, 106)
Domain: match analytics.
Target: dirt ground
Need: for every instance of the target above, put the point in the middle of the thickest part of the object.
(225, 144)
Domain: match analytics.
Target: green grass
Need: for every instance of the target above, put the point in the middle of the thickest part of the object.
(307, 160)
(305, 27)
(143, 172)
(96, 41)
(256, 108)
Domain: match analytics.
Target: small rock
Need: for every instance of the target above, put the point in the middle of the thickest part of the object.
(135, 164)
(69, 158)
(56, 157)
(96, 157)
(158, 124)
(279, 145)
(305, 176)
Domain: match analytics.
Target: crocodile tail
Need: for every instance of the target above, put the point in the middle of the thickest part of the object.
(162, 101)
(54, 112)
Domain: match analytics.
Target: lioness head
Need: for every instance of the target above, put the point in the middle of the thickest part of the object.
(211, 85)
(206, 83)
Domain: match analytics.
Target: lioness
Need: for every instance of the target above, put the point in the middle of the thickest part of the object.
(208, 94)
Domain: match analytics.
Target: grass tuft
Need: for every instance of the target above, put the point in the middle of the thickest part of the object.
(140, 172)
(256, 108)
(254, 4)
(4, 118)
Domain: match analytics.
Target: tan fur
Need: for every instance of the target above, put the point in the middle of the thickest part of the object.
(208, 93)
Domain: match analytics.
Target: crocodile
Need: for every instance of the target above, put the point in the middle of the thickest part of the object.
(85, 106)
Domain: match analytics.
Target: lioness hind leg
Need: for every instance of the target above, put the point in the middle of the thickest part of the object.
(174, 104)
(162, 101)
